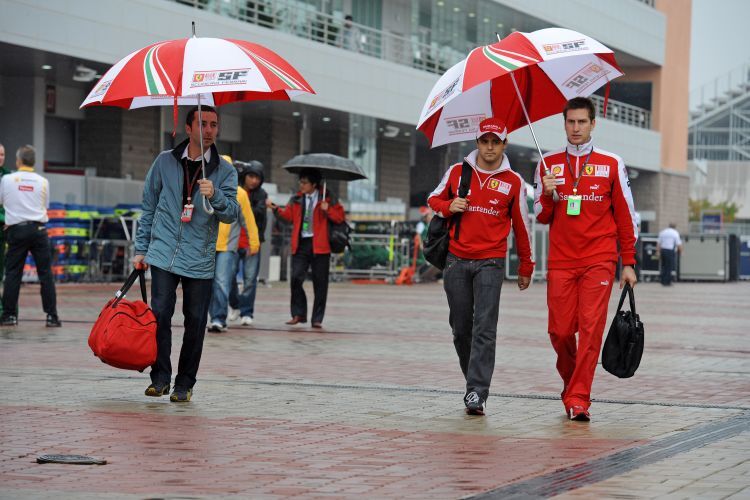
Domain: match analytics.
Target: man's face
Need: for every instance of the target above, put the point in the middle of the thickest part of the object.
(491, 148)
(306, 186)
(210, 129)
(578, 126)
(252, 182)
(2, 156)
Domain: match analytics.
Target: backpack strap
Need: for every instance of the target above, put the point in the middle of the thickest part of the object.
(463, 191)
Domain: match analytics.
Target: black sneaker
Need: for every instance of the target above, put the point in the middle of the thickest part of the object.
(474, 404)
(157, 390)
(181, 395)
(8, 321)
(53, 321)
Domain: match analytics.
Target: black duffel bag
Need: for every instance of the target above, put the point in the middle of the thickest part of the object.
(435, 246)
(624, 345)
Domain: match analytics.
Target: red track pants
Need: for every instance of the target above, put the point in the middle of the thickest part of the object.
(577, 301)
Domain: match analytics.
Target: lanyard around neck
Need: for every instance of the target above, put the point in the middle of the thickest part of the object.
(192, 182)
(580, 171)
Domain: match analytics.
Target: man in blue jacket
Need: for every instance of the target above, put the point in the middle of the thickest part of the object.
(177, 237)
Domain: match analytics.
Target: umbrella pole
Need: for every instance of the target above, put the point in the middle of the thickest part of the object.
(528, 121)
(324, 191)
(526, 115)
(206, 205)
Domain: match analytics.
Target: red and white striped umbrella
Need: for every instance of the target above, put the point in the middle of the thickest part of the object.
(174, 72)
(523, 78)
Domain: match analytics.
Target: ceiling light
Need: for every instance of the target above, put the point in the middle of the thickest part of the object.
(440, 4)
(326, 119)
(471, 14)
(486, 20)
(46, 67)
(296, 113)
(84, 74)
(499, 25)
(456, 9)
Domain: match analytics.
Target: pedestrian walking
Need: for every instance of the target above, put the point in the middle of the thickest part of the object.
(242, 305)
(227, 244)
(475, 266)
(668, 246)
(3, 171)
(177, 238)
(310, 211)
(586, 200)
(25, 196)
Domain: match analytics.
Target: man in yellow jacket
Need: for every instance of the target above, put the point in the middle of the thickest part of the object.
(226, 258)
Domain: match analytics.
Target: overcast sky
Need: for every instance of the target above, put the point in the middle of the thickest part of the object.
(720, 40)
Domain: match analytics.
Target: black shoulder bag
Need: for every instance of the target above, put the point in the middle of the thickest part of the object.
(624, 345)
(438, 232)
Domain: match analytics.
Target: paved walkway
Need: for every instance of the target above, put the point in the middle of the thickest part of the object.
(371, 406)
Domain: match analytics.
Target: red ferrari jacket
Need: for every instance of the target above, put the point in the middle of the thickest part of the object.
(607, 210)
(497, 201)
(292, 212)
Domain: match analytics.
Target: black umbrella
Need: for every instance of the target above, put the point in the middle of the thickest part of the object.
(332, 167)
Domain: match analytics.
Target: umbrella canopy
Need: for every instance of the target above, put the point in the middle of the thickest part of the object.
(523, 78)
(176, 71)
(332, 167)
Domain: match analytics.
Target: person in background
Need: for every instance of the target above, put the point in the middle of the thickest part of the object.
(3, 171)
(242, 305)
(668, 246)
(25, 196)
(226, 257)
(309, 213)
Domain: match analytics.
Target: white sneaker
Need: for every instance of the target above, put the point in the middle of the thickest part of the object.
(247, 320)
(234, 314)
(217, 327)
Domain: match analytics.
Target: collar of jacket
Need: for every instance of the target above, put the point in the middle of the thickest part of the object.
(300, 196)
(580, 149)
(212, 164)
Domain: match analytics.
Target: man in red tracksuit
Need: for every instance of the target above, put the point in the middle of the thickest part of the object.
(585, 198)
(475, 267)
(309, 214)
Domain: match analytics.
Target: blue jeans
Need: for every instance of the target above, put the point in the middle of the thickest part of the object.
(473, 291)
(245, 301)
(226, 263)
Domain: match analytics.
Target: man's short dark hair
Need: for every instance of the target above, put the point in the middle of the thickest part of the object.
(27, 155)
(580, 103)
(310, 174)
(348, 18)
(204, 109)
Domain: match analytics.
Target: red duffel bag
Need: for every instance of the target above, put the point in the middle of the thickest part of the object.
(124, 335)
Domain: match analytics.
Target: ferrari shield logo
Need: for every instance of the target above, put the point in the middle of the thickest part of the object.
(499, 186)
(588, 170)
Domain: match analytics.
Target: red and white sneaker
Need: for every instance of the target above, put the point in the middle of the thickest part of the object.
(579, 413)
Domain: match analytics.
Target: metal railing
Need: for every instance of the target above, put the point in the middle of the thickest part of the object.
(720, 90)
(305, 21)
(624, 113)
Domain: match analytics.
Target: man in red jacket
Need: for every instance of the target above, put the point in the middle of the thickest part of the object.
(309, 214)
(585, 198)
(475, 267)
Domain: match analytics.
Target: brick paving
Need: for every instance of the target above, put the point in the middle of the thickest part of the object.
(371, 406)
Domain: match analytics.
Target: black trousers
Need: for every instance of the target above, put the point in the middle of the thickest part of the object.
(667, 266)
(22, 239)
(196, 296)
(301, 262)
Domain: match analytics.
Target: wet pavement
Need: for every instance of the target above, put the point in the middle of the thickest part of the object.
(371, 406)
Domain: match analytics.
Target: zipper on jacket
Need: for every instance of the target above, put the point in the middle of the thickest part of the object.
(177, 246)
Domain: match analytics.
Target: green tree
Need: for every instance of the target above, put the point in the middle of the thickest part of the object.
(728, 210)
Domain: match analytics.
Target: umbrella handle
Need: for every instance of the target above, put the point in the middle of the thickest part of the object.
(206, 205)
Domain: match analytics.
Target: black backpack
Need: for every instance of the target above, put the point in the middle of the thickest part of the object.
(338, 236)
(435, 247)
(624, 345)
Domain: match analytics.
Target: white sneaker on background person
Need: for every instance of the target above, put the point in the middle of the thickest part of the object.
(246, 320)
(234, 314)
